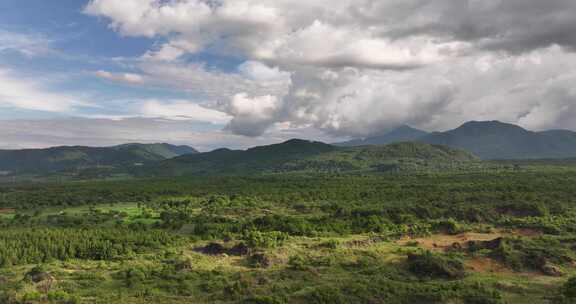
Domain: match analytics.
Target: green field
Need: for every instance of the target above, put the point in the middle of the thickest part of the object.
(468, 237)
(7, 215)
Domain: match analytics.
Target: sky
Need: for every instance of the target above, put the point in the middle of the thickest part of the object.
(240, 73)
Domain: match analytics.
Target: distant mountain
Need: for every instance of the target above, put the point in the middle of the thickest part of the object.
(401, 134)
(77, 157)
(497, 140)
(305, 156)
(488, 140)
(237, 162)
(156, 151)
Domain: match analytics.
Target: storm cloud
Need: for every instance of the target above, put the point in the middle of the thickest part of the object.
(359, 67)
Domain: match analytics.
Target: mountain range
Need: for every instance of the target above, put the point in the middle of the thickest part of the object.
(400, 134)
(307, 156)
(488, 140)
(78, 157)
(400, 149)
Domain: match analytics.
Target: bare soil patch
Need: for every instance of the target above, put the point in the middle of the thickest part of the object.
(7, 210)
(441, 242)
(486, 265)
(526, 232)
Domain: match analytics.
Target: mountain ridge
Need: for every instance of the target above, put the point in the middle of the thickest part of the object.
(403, 133)
(498, 140)
(309, 156)
(75, 157)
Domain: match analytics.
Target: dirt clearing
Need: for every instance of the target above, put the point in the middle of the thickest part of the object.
(442, 242)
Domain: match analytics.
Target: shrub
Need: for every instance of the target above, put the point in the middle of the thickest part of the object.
(326, 295)
(434, 266)
(133, 277)
(569, 289)
(264, 300)
(31, 297)
(258, 239)
(61, 297)
(449, 226)
(331, 244)
(297, 262)
(259, 260)
(37, 274)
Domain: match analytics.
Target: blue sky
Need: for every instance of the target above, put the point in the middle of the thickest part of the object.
(71, 30)
(239, 73)
(66, 48)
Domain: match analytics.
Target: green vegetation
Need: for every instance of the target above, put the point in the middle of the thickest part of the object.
(458, 236)
(89, 161)
(488, 140)
(303, 156)
(400, 134)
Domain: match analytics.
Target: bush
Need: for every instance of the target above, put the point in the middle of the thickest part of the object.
(264, 300)
(433, 266)
(331, 244)
(61, 297)
(525, 254)
(326, 295)
(569, 289)
(449, 226)
(297, 262)
(132, 277)
(258, 239)
(37, 274)
(259, 260)
(31, 297)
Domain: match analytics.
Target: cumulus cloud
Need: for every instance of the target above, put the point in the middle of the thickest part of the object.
(512, 25)
(252, 115)
(358, 67)
(278, 32)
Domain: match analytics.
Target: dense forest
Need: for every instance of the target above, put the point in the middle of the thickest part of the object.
(506, 236)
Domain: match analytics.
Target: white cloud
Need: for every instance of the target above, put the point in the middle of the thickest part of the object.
(253, 77)
(30, 94)
(279, 32)
(130, 78)
(252, 115)
(20, 134)
(357, 67)
(182, 110)
(27, 44)
(260, 72)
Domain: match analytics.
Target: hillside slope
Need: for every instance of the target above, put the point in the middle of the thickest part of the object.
(156, 151)
(305, 156)
(488, 140)
(77, 157)
(401, 134)
(497, 140)
(258, 159)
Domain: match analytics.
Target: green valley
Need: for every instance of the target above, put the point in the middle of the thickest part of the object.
(493, 236)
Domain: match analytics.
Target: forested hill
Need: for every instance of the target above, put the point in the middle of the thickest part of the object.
(305, 156)
(156, 151)
(401, 134)
(77, 157)
(497, 140)
(254, 160)
(488, 140)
